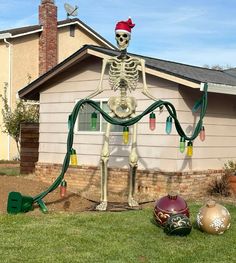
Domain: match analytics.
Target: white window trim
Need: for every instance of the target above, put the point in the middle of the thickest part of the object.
(93, 132)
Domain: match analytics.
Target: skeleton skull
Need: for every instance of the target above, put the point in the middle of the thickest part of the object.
(122, 39)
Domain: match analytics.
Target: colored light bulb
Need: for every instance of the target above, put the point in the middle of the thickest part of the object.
(73, 157)
(182, 145)
(202, 134)
(168, 125)
(152, 121)
(190, 149)
(126, 135)
(94, 121)
(63, 187)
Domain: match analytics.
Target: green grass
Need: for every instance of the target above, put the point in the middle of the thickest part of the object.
(9, 161)
(9, 171)
(109, 237)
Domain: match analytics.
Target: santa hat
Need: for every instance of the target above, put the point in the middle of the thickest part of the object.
(124, 26)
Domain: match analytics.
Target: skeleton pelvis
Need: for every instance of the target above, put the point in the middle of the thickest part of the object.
(122, 107)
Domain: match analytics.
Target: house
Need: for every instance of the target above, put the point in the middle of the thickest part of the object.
(161, 167)
(28, 52)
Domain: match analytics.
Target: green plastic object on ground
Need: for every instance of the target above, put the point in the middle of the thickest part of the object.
(42, 206)
(18, 203)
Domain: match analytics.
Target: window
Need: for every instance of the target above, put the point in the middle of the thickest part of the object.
(84, 119)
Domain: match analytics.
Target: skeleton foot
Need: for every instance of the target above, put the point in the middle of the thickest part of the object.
(102, 206)
(132, 202)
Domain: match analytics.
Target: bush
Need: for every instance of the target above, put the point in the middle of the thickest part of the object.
(230, 167)
(23, 111)
(220, 186)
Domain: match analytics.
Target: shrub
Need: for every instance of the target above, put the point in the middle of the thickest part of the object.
(230, 167)
(220, 186)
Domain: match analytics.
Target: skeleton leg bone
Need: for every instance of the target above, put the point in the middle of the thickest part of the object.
(133, 162)
(104, 161)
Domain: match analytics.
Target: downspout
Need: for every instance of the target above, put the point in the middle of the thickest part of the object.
(8, 44)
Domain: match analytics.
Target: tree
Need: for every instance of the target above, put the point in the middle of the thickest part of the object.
(217, 67)
(24, 111)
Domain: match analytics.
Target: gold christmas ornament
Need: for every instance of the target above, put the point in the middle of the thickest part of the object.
(213, 218)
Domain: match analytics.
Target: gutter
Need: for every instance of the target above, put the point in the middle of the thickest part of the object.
(28, 33)
(219, 88)
(9, 35)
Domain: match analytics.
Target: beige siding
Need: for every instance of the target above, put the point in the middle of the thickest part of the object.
(156, 150)
(220, 126)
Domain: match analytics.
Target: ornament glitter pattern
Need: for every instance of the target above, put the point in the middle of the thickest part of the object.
(213, 218)
(167, 206)
(178, 225)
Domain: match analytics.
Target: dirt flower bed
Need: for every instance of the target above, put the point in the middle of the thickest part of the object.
(26, 186)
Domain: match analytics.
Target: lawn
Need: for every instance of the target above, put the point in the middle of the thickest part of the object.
(109, 237)
(9, 170)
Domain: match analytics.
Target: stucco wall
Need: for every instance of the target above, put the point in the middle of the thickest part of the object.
(25, 67)
(4, 68)
(24, 58)
(67, 44)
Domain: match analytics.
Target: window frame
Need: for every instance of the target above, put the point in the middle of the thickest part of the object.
(76, 131)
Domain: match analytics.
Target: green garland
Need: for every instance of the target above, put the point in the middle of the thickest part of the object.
(157, 104)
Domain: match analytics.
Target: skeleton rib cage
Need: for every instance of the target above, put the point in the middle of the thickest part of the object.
(123, 74)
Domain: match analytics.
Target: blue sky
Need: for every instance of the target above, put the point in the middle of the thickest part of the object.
(195, 32)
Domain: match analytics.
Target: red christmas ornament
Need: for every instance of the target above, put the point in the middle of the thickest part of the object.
(167, 206)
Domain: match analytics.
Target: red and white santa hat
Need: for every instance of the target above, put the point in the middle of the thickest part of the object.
(124, 26)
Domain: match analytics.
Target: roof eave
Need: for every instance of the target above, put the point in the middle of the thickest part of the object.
(88, 29)
(76, 22)
(27, 33)
(220, 88)
(31, 91)
(157, 72)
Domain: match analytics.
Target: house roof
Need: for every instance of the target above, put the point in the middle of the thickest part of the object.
(27, 30)
(184, 74)
(231, 71)
(193, 73)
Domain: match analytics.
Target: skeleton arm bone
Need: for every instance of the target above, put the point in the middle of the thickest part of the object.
(99, 88)
(145, 89)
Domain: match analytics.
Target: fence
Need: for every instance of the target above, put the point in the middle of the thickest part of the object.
(29, 147)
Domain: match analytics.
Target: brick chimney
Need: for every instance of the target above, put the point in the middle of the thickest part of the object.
(48, 56)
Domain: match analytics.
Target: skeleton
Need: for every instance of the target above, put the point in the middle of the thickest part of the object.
(123, 76)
